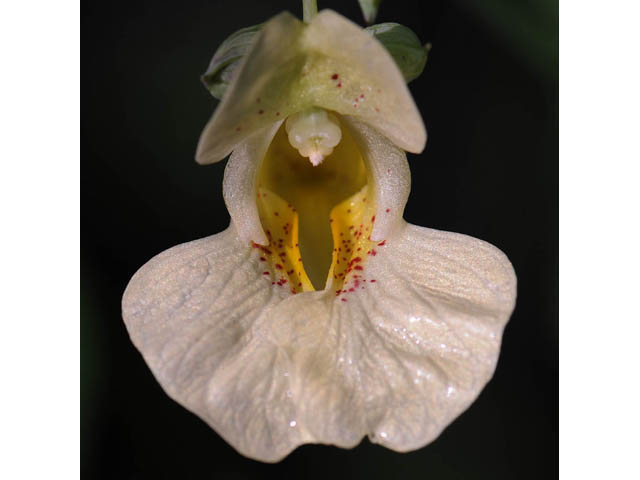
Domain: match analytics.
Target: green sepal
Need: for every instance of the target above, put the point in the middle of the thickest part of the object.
(369, 9)
(227, 58)
(404, 46)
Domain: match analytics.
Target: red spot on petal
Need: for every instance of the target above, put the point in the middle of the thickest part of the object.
(260, 112)
(277, 114)
(387, 210)
(358, 267)
(265, 273)
(382, 243)
(278, 266)
(339, 84)
(334, 76)
(362, 95)
(373, 281)
(374, 253)
(343, 299)
(373, 219)
(262, 259)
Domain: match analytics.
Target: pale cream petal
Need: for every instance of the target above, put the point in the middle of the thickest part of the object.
(372, 87)
(330, 63)
(200, 315)
(239, 187)
(387, 173)
(430, 308)
(260, 91)
(398, 358)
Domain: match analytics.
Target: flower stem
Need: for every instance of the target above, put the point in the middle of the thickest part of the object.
(309, 10)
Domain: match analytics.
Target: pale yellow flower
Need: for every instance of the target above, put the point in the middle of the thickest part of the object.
(320, 315)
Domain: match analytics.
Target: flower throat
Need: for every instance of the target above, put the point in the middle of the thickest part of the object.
(316, 215)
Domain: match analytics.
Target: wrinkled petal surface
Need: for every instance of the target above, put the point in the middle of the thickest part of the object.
(331, 63)
(397, 358)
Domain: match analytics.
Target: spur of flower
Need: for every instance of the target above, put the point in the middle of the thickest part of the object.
(320, 315)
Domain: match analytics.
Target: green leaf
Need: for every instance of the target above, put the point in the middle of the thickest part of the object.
(404, 46)
(227, 58)
(369, 9)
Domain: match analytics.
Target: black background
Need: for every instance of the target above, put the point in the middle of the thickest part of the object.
(489, 99)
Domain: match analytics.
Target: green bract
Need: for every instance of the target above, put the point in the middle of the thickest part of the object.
(404, 46)
(227, 58)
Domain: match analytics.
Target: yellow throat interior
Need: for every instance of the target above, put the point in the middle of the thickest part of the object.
(317, 219)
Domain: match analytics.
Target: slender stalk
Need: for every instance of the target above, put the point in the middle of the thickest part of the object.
(309, 10)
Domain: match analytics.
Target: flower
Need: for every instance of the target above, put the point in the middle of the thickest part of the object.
(320, 315)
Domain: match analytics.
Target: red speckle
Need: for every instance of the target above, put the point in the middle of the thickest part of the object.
(387, 210)
(293, 291)
(343, 299)
(334, 76)
(373, 281)
(348, 210)
(379, 90)
(352, 289)
(373, 219)
(262, 259)
(388, 170)
(355, 105)
(299, 284)
(273, 283)
(382, 243)
(374, 253)
(339, 84)
(260, 112)
(265, 273)
(277, 114)
(377, 110)
(278, 266)
(362, 95)
(358, 267)
(276, 214)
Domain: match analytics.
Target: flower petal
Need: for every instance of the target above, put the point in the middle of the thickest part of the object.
(239, 185)
(398, 358)
(199, 314)
(388, 174)
(330, 63)
(430, 308)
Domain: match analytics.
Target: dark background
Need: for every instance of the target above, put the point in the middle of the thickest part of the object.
(489, 99)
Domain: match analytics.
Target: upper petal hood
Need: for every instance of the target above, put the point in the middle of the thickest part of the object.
(331, 63)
